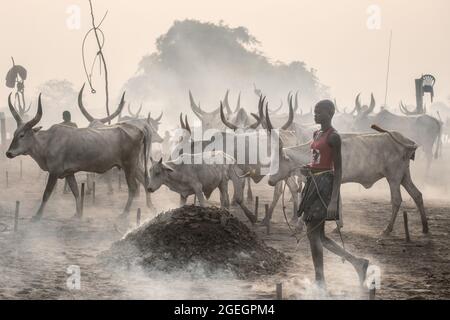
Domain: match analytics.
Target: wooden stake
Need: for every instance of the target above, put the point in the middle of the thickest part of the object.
(120, 181)
(16, 217)
(138, 217)
(266, 209)
(256, 207)
(372, 291)
(195, 199)
(20, 169)
(279, 289)
(405, 220)
(7, 180)
(82, 199)
(93, 192)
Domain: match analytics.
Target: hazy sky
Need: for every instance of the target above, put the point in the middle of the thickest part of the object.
(331, 36)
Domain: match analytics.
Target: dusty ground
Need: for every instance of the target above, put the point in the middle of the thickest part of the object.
(33, 261)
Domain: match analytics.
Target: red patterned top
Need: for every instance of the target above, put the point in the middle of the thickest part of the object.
(321, 151)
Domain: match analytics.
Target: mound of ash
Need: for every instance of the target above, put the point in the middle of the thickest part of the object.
(191, 235)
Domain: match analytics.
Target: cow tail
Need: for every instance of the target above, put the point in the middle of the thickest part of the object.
(439, 141)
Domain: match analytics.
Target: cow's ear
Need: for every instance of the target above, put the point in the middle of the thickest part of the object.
(36, 129)
(166, 167)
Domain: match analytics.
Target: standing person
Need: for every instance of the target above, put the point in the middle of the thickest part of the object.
(320, 196)
(67, 121)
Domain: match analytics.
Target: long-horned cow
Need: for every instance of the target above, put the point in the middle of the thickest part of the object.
(63, 150)
(366, 158)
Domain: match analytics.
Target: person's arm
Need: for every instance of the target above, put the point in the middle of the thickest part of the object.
(334, 140)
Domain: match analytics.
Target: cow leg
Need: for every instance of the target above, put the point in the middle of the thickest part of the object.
(249, 191)
(183, 200)
(412, 190)
(277, 190)
(89, 182)
(51, 182)
(224, 197)
(108, 176)
(148, 198)
(66, 186)
(293, 188)
(132, 189)
(396, 201)
(72, 182)
(242, 188)
(239, 195)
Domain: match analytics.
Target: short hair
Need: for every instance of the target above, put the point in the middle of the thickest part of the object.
(328, 105)
(66, 116)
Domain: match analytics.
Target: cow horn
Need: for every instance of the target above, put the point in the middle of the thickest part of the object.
(134, 115)
(188, 128)
(256, 124)
(261, 111)
(336, 106)
(225, 102)
(224, 120)
(372, 104)
(269, 124)
(30, 124)
(129, 110)
(160, 117)
(277, 109)
(117, 112)
(291, 117)
(357, 107)
(81, 106)
(183, 126)
(199, 112)
(296, 102)
(238, 104)
(14, 112)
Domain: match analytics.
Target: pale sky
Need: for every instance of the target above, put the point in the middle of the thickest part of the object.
(330, 36)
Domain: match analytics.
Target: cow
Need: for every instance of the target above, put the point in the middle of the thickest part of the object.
(424, 129)
(366, 158)
(63, 151)
(198, 174)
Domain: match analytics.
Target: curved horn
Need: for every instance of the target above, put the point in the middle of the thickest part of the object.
(199, 112)
(117, 112)
(139, 111)
(357, 104)
(336, 106)
(269, 124)
(256, 124)
(261, 112)
(224, 120)
(27, 109)
(291, 117)
(277, 109)
(372, 104)
(160, 117)
(296, 102)
(129, 110)
(81, 106)
(225, 102)
(14, 112)
(187, 127)
(38, 116)
(238, 104)
(183, 126)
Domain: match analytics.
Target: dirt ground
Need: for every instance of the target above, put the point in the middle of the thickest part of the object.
(34, 260)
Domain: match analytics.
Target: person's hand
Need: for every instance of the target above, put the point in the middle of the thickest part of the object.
(332, 209)
(305, 171)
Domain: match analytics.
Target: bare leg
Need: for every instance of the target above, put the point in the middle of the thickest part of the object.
(313, 230)
(417, 197)
(74, 187)
(293, 188)
(51, 182)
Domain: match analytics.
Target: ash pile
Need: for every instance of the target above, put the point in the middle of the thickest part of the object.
(191, 235)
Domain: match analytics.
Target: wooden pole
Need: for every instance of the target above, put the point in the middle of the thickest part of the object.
(93, 192)
(405, 220)
(7, 180)
(120, 181)
(16, 217)
(256, 207)
(372, 291)
(82, 199)
(195, 199)
(21, 169)
(279, 288)
(138, 217)
(266, 209)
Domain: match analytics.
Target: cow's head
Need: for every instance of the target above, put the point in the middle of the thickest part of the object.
(154, 124)
(209, 120)
(23, 139)
(157, 175)
(361, 121)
